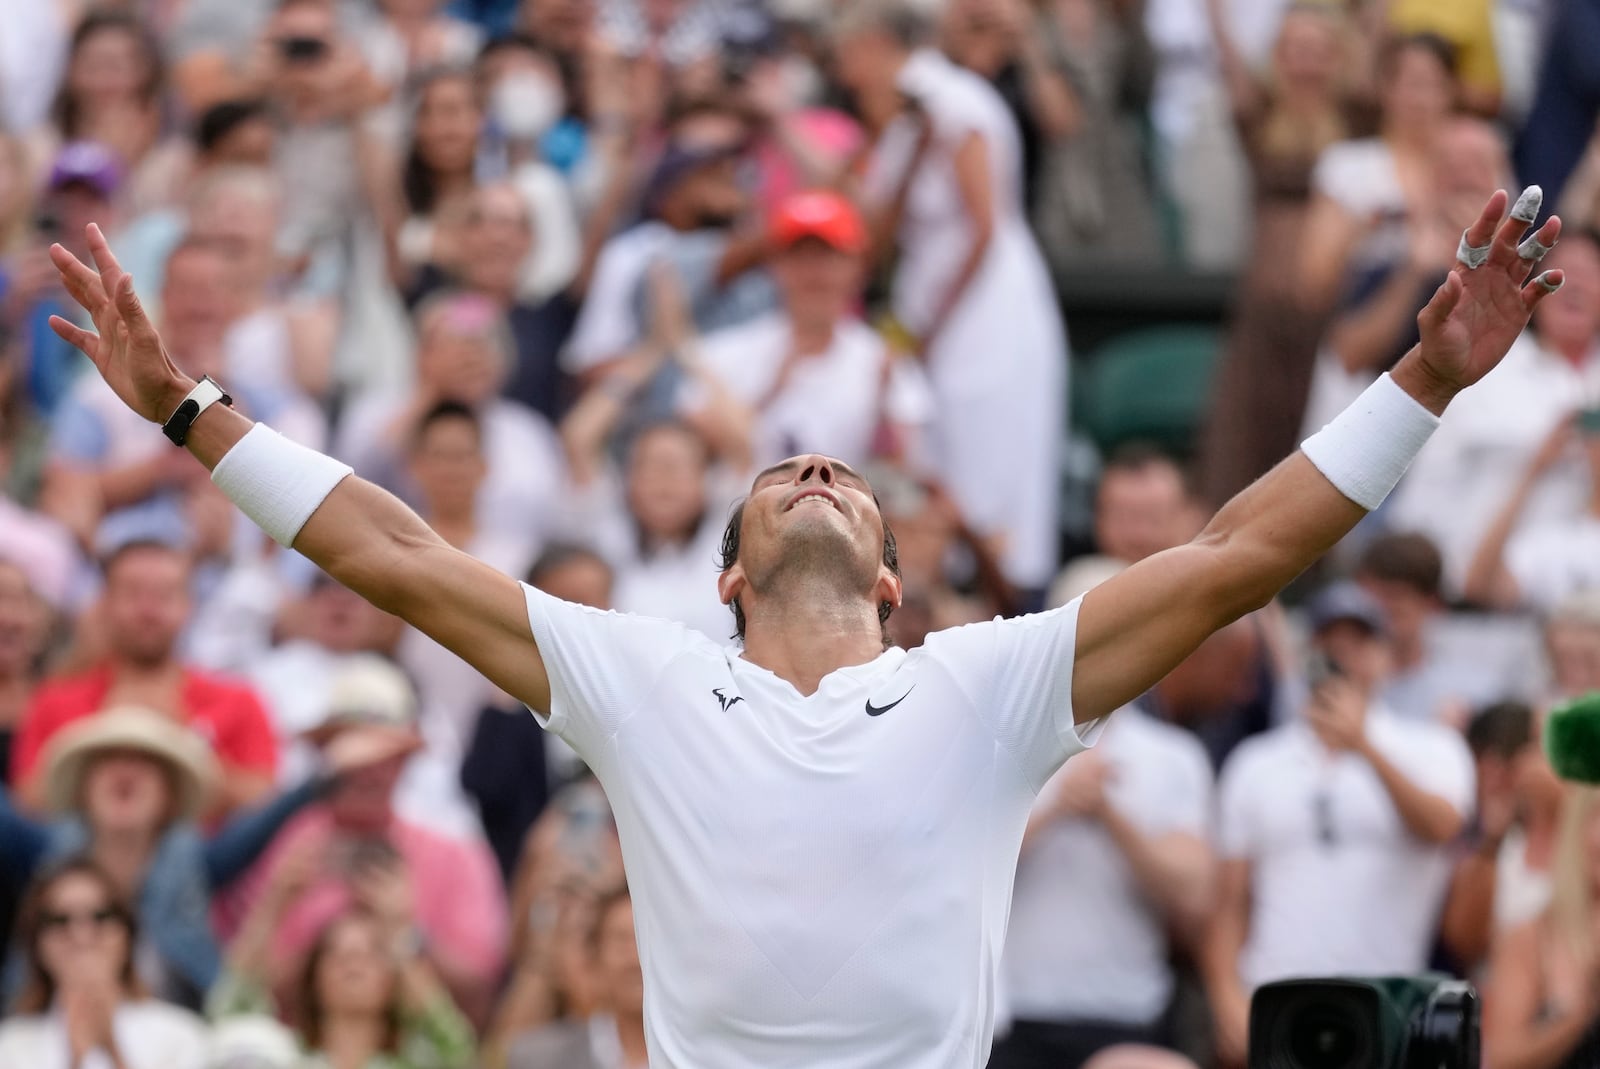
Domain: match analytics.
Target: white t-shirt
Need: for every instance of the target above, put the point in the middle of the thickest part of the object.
(1479, 454)
(1553, 561)
(150, 1035)
(1084, 943)
(823, 879)
(608, 323)
(830, 402)
(1337, 883)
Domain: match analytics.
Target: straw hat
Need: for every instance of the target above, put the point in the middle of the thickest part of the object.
(132, 728)
(252, 1041)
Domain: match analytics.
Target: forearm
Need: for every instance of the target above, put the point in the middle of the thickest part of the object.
(982, 236)
(1468, 920)
(235, 847)
(1539, 1044)
(1049, 95)
(130, 483)
(1364, 338)
(1174, 872)
(1427, 816)
(1219, 954)
(1489, 582)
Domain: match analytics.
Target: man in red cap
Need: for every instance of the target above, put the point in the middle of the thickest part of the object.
(818, 379)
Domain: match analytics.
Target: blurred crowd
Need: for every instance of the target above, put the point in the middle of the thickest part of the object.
(564, 274)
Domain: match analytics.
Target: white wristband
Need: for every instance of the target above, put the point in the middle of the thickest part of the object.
(276, 482)
(1369, 445)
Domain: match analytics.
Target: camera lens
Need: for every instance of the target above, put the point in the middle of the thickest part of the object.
(1323, 1034)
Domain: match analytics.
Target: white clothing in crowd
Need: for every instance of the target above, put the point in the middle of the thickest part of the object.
(150, 1035)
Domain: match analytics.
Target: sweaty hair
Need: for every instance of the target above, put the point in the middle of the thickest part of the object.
(558, 555)
(444, 412)
(1501, 729)
(729, 556)
(1406, 558)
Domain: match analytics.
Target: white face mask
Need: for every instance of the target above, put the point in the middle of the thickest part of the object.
(525, 105)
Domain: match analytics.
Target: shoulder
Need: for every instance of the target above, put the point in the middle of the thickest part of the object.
(759, 335)
(216, 689)
(1156, 741)
(1358, 169)
(857, 341)
(565, 1044)
(1257, 753)
(173, 1023)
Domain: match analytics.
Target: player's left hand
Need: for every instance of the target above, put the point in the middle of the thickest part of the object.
(1474, 317)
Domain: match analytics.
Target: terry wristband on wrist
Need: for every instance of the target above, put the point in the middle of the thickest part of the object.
(276, 482)
(1369, 445)
(206, 393)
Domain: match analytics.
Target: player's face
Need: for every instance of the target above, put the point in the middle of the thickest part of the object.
(814, 514)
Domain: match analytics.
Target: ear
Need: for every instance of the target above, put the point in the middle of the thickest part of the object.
(888, 587)
(731, 583)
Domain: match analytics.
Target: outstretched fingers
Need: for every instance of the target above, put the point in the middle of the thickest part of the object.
(111, 273)
(86, 340)
(81, 280)
(1542, 286)
(1477, 243)
(1445, 298)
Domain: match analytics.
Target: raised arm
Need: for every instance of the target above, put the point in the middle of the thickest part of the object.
(1135, 628)
(360, 534)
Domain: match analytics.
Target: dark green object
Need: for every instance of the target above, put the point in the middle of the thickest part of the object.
(1589, 420)
(1386, 1022)
(1572, 739)
(1151, 385)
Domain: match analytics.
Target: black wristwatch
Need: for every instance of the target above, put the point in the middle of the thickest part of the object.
(206, 393)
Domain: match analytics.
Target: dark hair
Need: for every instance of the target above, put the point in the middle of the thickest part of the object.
(220, 120)
(65, 111)
(115, 555)
(310, 1011)
(1404, 557)
(417, 180)
(443, 412)
(558, 555)
(516, 41)
(1438, 47)
(728, 556)
(1502, 729)
(39, 987)
(1137, 456)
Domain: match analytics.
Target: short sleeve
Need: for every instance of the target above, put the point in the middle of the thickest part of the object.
(1358, 175)
(1018, 673)
(1437, 759)
(248, 741)
(601, 666)
(606, 324)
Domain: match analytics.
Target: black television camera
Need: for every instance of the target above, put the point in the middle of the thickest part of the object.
(1389, 1022)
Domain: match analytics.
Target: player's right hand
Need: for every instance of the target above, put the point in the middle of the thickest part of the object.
(124, 345)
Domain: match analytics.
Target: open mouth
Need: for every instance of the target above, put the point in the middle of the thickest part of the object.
(813, 497)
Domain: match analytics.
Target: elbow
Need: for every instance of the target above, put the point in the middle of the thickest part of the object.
(1442, 828)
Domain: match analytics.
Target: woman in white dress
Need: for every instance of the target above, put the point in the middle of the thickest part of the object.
(82, 1007)
(971, 285)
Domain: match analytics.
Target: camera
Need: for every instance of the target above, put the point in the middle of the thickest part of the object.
(303, 49)
(1389, 1022)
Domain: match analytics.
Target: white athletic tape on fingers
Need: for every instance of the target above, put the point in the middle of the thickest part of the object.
(1369, 446)
(1533, 250)
(1474, 256)
(276, 482)
(1549, 286)
(1526, 210)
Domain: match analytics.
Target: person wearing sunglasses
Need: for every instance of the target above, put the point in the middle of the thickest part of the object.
(82, 1006)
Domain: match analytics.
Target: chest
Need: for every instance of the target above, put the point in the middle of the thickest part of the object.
(1316, 802)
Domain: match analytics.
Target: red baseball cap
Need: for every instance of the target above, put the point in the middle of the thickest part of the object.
(828, 217)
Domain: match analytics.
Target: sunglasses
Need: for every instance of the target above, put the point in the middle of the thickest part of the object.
(98, 918)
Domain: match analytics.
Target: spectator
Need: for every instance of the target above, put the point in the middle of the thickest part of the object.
(1092, 197)
(411, 36)
(613, 1036)
(1502, 876)
(1544, 564)
(970, 280)
(1286, 119)
(1122, 838)
(1002, 41)
(497, 237)
(126, 788)
(447, 467)
(1470, 469)
(513, 765)
(325, 632)
(1566, 99)
(446, 125)
(1542, 1012)
(1469, 27)
(1333, 831)
(111, 94)
(366, 995)
(814, 377)
(693, 204)
(1405, 574)
(24, 634)
(143, 608)
(464, 355)
(1143, 505)
(1572, 643)
(368, 853)
(83, 1004)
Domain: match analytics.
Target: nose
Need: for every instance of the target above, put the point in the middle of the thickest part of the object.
(818, 467)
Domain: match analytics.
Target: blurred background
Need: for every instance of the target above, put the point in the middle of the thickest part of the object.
(1060, 275)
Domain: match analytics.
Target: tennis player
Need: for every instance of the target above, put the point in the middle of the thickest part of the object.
(821, 831)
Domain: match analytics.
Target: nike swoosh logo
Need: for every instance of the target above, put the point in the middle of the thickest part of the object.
(879, 710)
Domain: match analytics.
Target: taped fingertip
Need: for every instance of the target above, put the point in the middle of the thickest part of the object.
(1526, 210)
(1551, 285)
(1473, 256)
(1533, 249)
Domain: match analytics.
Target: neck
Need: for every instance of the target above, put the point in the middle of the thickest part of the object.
(813, 335)
(349, 1041)
(124, 854)
(1409, 140)
(131, 673)
(806, 628)
(14, 690)
(630, 1036)
(1408, 650)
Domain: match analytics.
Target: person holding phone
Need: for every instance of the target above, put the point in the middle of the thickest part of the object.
(1333, 829)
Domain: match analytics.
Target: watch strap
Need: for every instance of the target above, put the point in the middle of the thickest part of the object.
(206, 393)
